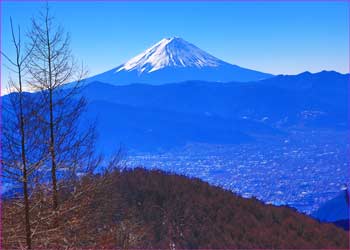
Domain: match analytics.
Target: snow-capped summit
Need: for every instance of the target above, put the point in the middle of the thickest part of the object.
(170, 52)
(174, 60)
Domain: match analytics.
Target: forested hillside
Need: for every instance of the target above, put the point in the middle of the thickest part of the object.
(152, 209)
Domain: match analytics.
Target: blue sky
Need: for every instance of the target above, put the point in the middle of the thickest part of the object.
(273, 37)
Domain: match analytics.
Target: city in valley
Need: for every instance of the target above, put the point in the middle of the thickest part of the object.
(303, 170)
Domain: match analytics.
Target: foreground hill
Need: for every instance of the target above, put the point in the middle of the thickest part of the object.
(162, 210)
(140, 209)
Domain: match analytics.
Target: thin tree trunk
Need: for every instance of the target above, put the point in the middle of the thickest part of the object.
(53, 159)
(52, 134)
(25, 176)
(23, 156)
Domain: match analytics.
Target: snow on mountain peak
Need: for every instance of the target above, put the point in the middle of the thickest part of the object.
(176, 60)
(170, 52)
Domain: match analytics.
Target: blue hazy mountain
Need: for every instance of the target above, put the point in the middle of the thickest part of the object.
(314, 99)
(174, 60)
(335, 210)
(146, 117)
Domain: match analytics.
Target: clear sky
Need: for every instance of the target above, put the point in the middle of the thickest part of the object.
(273, 37)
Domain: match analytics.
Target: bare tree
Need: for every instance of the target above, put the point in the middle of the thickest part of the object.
(49, 145)
(57, 77)
(22, 154)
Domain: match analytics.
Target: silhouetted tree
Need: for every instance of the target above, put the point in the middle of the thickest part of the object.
(57, 78)
(22, 153)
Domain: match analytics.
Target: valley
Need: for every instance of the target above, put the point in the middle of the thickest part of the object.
(303, 170)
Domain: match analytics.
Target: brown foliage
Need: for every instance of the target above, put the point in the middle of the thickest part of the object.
(152, 209)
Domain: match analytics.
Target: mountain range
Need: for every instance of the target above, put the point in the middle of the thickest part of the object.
(148, 117)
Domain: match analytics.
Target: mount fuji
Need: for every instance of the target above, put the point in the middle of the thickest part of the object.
(176, 60)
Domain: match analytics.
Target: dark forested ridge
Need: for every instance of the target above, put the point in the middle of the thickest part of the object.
(152, 209)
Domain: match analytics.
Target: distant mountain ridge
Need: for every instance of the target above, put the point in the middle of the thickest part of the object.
(148, 117)
(174, 60)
